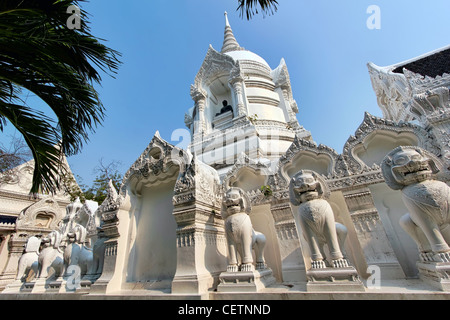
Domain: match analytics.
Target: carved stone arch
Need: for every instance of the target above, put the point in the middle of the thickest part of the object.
(396, 133)
(158, 161)
(149, 187)
(44, 216)
(325, 159)
(215, 64)
(251, 176)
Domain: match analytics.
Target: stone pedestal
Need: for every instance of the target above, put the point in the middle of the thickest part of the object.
(40, 286)
(436, 274)
(292, 263)
(334, 279)
(13, 287)
(27, 287)
(54, 286)
(85, 286)
(247, 281)
(68, 285)
(223, 121)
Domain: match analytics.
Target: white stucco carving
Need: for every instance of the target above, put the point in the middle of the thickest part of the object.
(51, 256)
(29, 260)
(182, 223)
(76, 253)
(412, 170)
(241, 236)
(309, 191)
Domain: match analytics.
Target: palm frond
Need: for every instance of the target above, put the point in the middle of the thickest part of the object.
(251, 7)
(40, 53)
(39, 135)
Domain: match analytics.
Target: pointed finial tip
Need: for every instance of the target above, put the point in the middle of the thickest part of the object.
(227, 23)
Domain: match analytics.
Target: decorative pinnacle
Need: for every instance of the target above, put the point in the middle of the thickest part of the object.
(229, 43)
(227, 23)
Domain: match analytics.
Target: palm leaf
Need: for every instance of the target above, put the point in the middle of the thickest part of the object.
(39, 136)
(40, 53)
(251, 7)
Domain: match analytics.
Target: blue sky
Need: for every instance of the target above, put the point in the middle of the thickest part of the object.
(326, 45)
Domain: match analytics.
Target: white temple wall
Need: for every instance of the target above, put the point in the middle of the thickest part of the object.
(262, 220)
(375, 146)
(4, 251)
(248, 180)
(274, 142)
(266, 112)
(255, 93)
(371, 233)
(153, 250)
(306, 253)
(391, 208)
(352, 249)
(307, 160)
(225, 147)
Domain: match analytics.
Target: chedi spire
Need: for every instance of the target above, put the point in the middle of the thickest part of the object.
(229, 43)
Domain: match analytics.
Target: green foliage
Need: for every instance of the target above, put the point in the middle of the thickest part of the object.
(266, 190)
(40, 54)
(253, 118)
(72, 188)
(99, 189)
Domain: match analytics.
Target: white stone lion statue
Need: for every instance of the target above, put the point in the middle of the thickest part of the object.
(241, 236)
(29, 259)
(413, 171)
(51, 256)
(76, 253)
(316, 218)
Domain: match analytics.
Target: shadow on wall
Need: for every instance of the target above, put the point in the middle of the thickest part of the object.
(391, 208)
(153, 254)
(262, 220)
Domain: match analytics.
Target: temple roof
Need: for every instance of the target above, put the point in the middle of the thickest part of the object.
(7, 220)
(432, 64)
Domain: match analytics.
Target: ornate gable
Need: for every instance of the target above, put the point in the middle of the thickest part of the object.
(155, 162)
(350, 164)
(44, 215)
(198, 182)
(215, 64)
(301, 146)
